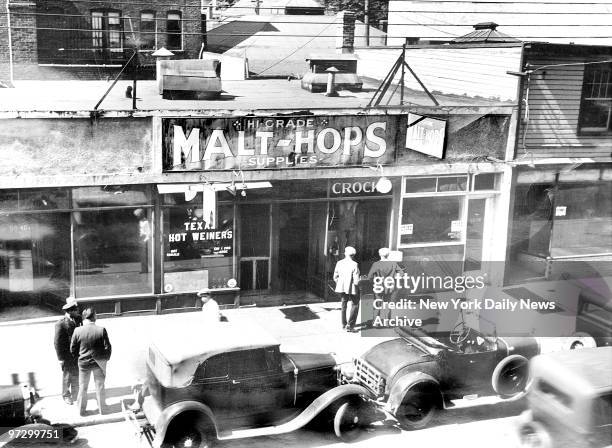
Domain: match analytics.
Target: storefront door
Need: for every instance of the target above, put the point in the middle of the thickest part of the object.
(255, 223)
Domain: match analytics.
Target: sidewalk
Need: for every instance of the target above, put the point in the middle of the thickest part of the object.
(313, 328)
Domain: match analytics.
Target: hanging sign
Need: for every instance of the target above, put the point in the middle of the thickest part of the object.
(426, 135)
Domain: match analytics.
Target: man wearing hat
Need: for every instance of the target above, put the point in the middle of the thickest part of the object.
(210, 307)
(346, 276)
(64, 329)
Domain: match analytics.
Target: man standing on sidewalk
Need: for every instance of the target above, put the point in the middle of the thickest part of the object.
(91, 345)
(64, 329)
(346, 276)
(379, 272)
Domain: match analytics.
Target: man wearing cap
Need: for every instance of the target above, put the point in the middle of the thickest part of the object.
(346, 276)
(64, 329)
(210, 307)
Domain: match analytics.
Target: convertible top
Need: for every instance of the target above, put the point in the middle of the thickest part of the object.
(202, 342)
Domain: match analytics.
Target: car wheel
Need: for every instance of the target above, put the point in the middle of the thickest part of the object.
(534, 435)
(348, 421)
(510, 376)
(190, 433)
(419, 407)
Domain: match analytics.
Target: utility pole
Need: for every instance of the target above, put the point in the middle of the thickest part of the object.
(366, 21)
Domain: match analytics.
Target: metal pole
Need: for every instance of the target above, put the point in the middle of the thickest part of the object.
(366, 21)
(114, 82)
(402, 78)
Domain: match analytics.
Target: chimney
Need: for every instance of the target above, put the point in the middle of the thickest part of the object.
(345, 34)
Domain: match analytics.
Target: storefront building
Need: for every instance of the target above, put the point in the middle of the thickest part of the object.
(137, 213)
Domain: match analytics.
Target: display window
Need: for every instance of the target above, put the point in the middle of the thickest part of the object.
(198, 243)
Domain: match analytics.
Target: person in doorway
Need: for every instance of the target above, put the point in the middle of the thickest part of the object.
(210, 307)
(380, 270)
(90, 344)
(346, 276)
(64, 328)
(144, 235)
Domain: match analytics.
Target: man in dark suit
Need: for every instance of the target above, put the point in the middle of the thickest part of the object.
(64, 329)
(90, 344)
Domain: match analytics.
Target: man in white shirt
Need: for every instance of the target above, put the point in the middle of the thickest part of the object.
(210, 307)
(346, 276)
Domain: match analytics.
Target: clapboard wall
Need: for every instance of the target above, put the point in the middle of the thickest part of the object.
(551, 103)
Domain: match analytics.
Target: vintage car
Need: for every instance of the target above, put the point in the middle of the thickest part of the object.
(231, 381)
(15, 404)
(418, 373)
(570, 400)
(315, 80)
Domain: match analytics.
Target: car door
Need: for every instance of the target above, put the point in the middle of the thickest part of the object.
(258, 385)
(211, 385)
(470, 372)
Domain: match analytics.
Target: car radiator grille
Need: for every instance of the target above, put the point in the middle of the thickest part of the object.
(369, 377)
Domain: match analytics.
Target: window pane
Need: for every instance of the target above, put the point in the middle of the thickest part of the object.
(248, 362)
(582, 219)
(420, 185)
(255, 237)
(21, 200)
(34, 259)
(431, 220)
(595, 115)
(114, 30)
(147, 30)
(110, 195)
(485, 181)
(173, 27)
(452, 184)
(96, 26)
(112, 252)
(196, 256)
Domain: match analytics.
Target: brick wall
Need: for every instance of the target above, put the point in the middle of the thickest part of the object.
(59, 32)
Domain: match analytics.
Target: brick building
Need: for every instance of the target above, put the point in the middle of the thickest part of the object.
(92, 40)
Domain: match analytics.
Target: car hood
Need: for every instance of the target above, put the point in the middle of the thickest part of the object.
(387, 357)
(311, 361)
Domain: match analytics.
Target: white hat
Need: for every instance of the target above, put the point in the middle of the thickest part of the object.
(71, 302)
(203, 292)
(349, 250)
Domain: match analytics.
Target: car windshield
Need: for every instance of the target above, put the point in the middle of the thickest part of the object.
(442, 339)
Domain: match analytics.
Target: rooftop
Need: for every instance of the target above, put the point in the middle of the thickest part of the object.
(253, 94)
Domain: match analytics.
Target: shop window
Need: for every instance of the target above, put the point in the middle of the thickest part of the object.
(113, 252)
(434, 219)
(34, 257)
(174, 36)
(486, 181)
(106, 30)
(148, 29)
(596, 104)
(30, 200)
(582, 219)
(197, 252)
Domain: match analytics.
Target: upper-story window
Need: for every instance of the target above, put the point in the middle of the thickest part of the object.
(148, 30)
(596, 105)
(174, 39)
(106, 30)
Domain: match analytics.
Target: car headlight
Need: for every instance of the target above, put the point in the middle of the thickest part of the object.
(347, 370)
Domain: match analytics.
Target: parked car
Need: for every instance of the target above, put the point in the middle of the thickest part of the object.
(418, 373)
(346, 77)
(229, 382)
(570, 401)
(21, 424)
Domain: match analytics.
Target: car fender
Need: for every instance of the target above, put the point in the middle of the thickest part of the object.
(174, 410)
(404, 384)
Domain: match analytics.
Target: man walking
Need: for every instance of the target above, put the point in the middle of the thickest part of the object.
(90, 344)
(381, 270)
(346, 276)
(64, 329)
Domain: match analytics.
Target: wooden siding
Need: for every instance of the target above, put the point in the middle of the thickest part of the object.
(553, 107)
(477, 72)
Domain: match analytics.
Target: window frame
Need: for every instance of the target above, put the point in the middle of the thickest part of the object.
(105, 30)
(588, 72)
(180, 33)
(145, 33)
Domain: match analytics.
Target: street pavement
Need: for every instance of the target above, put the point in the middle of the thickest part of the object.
(27, 351)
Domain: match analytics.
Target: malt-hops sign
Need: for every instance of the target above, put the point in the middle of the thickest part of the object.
(278, 142)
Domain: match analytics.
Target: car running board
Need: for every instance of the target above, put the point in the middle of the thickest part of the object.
(318, 405)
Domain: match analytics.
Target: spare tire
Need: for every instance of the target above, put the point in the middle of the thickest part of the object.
(510, 376)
